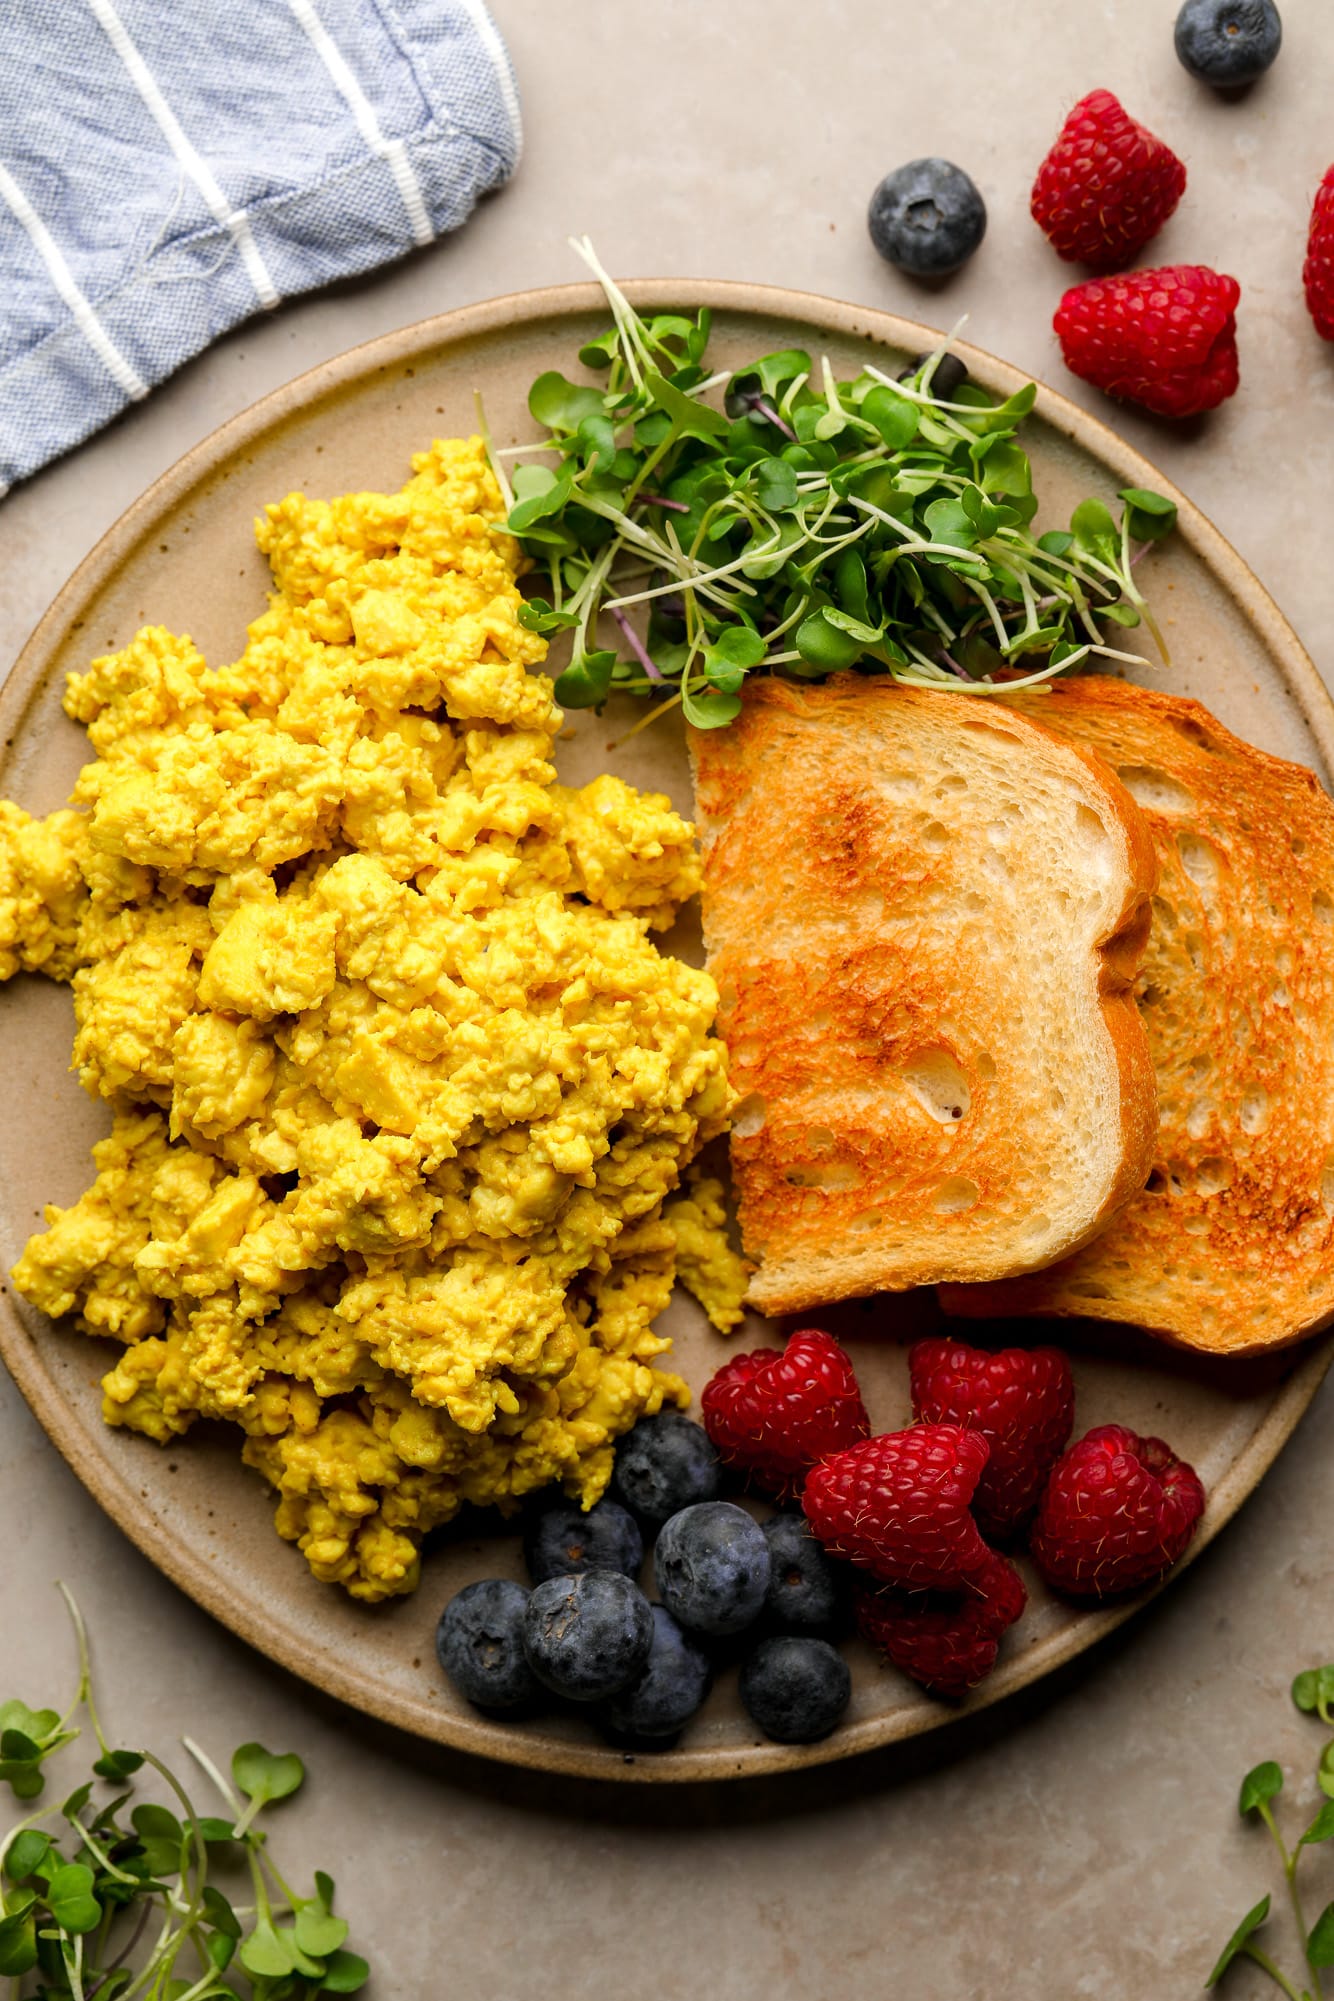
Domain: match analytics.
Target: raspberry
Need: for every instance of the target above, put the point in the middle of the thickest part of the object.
(1117, 1513)
(1318, 270)
(1106, 186)
(946, 1641)
(898, 1504)
(1022, 1400)
(776, 1414)
(1165, 339)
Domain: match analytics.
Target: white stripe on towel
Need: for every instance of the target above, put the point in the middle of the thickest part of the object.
(234, 221)
(391, 151)
(489, 37)
(62, 278)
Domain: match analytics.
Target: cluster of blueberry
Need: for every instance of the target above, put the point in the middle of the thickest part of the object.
(586, 1633)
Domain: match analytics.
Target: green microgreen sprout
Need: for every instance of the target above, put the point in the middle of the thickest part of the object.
(1313, 1693)
(810, 526)
(99, 1902)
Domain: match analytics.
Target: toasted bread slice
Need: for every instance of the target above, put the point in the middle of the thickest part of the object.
(924, 913)
(1230, 1247)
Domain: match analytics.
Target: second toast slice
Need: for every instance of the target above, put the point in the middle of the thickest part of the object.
(924, 915)
(1230, 1246)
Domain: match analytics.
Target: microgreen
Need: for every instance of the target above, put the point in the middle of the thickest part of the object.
(1313, 1693)
(809, 526)
(120, 1905)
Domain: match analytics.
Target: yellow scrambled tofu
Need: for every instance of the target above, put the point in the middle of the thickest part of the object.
(403, 1093)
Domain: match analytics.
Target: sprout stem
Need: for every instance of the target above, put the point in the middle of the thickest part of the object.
(636, 644)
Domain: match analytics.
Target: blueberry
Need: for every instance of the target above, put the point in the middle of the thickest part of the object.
(795, 1689)
(668, 1692)
(665, 1464)
(479, 1642)
(712, 1567)
(1228, 43)
(927, 217)
(806, 1593)
(948, 375)
(587, 1636)
(564, 1539)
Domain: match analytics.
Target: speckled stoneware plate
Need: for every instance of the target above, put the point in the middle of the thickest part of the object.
(183, 556)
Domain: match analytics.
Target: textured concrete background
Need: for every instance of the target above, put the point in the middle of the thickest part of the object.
(1082, 1840)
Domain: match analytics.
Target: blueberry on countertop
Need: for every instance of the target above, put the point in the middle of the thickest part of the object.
(656, 1707)
(587, 1636)
(806, 1593)
(927, 217)
(563, 1539)
(479, 1642)
(1228, 43)
(712, 1567)
(665, 1464)
(795, 1688)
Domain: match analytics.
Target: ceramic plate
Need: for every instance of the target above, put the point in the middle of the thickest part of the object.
(183, 556)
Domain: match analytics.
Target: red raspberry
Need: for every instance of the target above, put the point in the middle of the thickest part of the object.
(946, 1641)
(1022, 1400)
(898, 1505)
(1318, 270)
(1118, 1512)
(777, 1414)
(1106, 186)
(1165, 339)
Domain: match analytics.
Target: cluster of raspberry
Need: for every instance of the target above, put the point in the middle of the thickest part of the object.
(1165, 338)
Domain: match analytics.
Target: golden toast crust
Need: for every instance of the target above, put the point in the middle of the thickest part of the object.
(1230, 1247)
(924, 914)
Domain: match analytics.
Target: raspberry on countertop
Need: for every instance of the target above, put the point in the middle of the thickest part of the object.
(1318, 270)
(1164, 339)
(1106, 187)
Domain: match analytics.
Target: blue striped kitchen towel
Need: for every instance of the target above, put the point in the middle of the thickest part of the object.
(168, 167)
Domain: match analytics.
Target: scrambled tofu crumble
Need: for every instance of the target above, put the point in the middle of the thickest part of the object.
(403, 1093)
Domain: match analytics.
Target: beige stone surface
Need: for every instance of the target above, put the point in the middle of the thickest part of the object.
(1081, 1840)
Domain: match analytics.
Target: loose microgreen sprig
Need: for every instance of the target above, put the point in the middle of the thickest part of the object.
(809, 525)
(120, 1906)
(1313, 1693)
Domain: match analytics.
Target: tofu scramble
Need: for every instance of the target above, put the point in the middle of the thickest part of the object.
(403, 1094)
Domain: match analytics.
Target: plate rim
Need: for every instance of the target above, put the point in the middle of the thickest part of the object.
(26, 682)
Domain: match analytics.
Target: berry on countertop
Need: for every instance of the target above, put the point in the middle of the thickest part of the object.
(947, 1642)
(898, 1504)
(479, 1644)
(563, 1539)
(587, 1636)
(1117, 1513)
(1106, 186)
(1022, 1400)
(1164, 339)
(711, 1563)
(927, 217)
(1318, 270)
(776, 1414)
(668, 1691)
(806, 1593)
(1228, 43)
(666, 1463)
(795, 1688)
